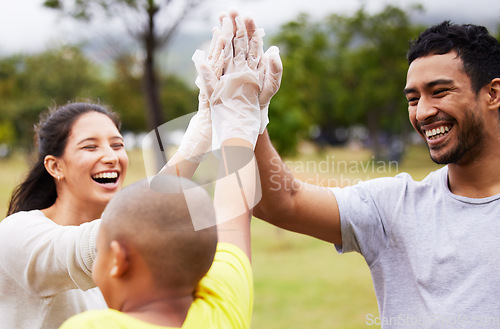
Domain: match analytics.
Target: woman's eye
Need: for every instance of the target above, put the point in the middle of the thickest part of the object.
(89, 147)
(117, 145)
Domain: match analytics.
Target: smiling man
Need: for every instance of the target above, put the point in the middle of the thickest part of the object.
(432, 246)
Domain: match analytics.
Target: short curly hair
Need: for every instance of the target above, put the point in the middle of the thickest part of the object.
(478, 50)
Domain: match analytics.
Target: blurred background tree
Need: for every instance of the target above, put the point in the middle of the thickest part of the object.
(344, 71)
(141, 17)
(31, 83)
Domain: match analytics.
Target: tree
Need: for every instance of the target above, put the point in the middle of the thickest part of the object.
(345, 70)
(292, 109)
(31, 83)
(144, 28)
(123, 93)
(371, 52)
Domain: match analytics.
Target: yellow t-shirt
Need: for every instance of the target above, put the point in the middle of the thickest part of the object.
(223, 299)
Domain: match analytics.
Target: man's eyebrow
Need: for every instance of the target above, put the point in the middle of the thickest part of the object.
(407, 91)
(439, 82)
(429, 85)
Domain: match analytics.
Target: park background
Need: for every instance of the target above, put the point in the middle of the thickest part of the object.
(340, 116)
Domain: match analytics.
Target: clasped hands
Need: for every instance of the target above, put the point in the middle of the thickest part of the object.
(237, 81)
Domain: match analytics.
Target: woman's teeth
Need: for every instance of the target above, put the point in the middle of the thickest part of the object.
(106, 177)
(112, 174)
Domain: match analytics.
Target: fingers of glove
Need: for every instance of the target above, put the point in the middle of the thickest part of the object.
(218, 61)
(250, 26)
(255, 49)
(222, 15)
(274, 61)
(215, 45)
(272, 77)
(227, 39)
(207, 80)
(262, 69)
(222, 50)
(240, 42)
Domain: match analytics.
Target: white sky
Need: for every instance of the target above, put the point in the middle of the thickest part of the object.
(25, 26)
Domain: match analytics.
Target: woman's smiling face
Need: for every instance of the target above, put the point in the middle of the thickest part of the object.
(94, 162)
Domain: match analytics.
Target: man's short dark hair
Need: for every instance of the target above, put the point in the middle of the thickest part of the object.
(478, 50)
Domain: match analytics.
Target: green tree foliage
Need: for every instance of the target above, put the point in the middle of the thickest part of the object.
(292, 108)
(152, 23)
(7, 137)
(29, 84)
(342, 71)
(123, 92)
(178, 97)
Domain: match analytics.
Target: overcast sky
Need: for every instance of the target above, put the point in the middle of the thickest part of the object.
(25, 26)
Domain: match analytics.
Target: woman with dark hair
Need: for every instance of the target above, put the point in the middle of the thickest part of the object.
(47, 242)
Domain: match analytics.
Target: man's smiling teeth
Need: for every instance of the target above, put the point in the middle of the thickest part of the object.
(110, 175)
(435, 133)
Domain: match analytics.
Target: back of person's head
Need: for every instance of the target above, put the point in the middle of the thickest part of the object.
(159, 226)
(38, 190)
(478, 50)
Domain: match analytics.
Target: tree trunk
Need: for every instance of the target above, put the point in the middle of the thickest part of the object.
(150, 82)
(151, 86)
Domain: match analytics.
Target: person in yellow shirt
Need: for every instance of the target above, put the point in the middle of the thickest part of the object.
(156, 271)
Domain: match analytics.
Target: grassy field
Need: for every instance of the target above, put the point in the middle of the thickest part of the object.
(300, 282)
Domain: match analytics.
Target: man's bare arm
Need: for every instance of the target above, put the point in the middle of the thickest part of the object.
(291, 204)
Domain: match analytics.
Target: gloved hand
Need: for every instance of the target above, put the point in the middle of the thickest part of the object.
(197, 140)
(268, 65)
(234, 96)
(271, 70)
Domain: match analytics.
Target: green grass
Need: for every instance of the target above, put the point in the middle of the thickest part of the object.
(12, 171)
(300, 282)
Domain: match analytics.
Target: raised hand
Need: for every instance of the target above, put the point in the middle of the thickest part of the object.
(232, 86)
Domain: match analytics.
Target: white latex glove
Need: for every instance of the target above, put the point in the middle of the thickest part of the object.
(271, 70)
(197, 140)
(234, 97)
(268, 65)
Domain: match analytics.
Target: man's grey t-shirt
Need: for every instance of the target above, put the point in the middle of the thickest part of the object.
(434, 256)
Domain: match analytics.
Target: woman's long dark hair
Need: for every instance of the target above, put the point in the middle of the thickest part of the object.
(38, 190)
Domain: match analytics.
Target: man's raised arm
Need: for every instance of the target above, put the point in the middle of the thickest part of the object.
(292, 204)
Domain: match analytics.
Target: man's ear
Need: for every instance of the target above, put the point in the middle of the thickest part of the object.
(494, 94)
(51, 164)
(120, 259)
